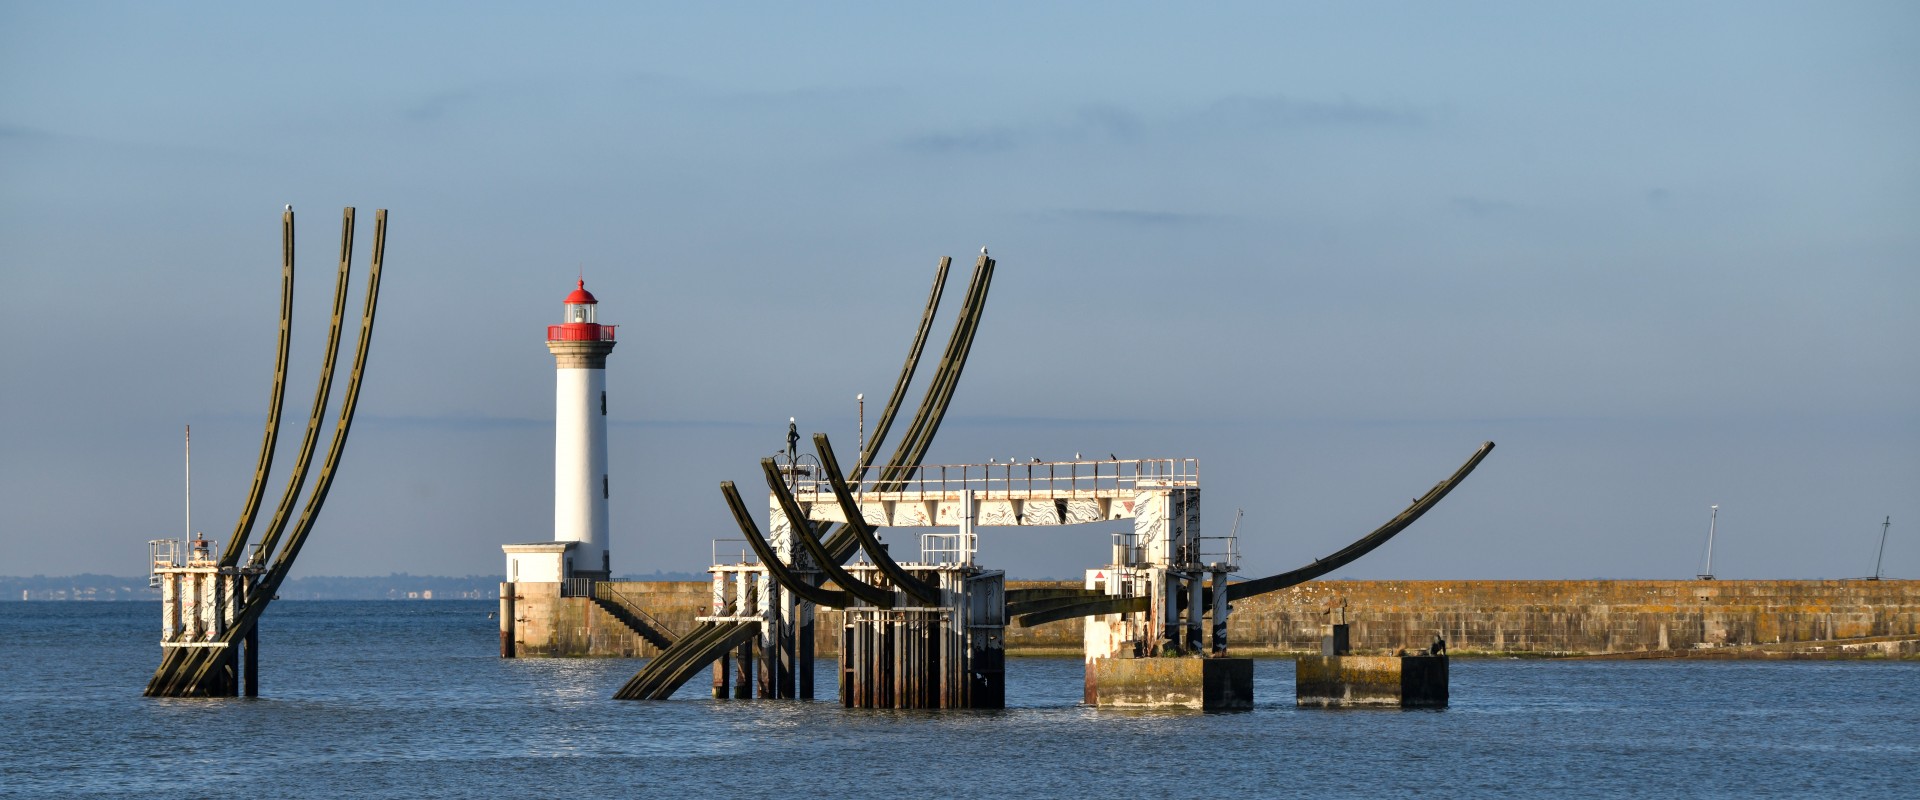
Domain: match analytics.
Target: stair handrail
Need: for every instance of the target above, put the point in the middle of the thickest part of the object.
(628, 604)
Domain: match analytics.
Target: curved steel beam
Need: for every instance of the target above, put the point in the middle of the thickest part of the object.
(671, 660)
(906, 372)
(179, 662)
(803, 531)
(637, 686)
(1346, 555)
(1016, 608)
(192, 677)
(1111, 605)
(858, 524)
(841, 543)
(237, 543)
(664, 675)
(1051, 592)
(933, 407)
(322, 393)
(804, 590)
(1319, 567)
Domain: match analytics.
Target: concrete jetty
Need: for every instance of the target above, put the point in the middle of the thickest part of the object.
(1477, 618)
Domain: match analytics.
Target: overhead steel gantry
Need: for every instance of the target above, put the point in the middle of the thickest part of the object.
(782, 633)
(213, 600)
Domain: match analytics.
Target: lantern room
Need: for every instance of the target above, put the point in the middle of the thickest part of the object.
(580, 304)
(581, 320)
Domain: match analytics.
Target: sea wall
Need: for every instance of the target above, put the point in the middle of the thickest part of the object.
(1536, 618)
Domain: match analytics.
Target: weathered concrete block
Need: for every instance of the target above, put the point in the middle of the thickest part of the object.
(1201, 684)
(1387, 681)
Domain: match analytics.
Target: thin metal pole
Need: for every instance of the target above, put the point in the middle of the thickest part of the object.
(861, 399)
(1883, 546)
(189, 483)
(1713, 521)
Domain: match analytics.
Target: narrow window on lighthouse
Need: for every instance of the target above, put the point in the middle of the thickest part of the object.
(603, 404)
(603, 488)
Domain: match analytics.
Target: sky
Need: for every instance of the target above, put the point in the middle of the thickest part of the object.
(1665, 255)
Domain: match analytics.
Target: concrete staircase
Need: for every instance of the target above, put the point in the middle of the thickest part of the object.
(633, 616)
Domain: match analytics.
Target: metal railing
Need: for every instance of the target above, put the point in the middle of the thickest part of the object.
(948, 548)
(576, 587)
(1056, 478)
(580, 332)
(162, 554)
(726, 548)
(604, 590)
(1220, 552)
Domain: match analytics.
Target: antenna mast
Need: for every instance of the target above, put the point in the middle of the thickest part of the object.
(189, 483)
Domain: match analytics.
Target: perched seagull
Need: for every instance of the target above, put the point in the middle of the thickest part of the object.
(1112, 457)
(983, 249)
(1076, 456)
(289, 206)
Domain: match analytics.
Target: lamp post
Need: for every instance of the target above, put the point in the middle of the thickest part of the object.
(1713, 520)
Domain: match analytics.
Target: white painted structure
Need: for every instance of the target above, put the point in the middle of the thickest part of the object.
(581, 487)
(539, 562)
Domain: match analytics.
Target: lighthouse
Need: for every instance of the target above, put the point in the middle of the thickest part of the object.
(580, 345)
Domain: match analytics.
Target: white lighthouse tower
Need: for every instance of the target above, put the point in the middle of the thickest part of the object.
(580, 345)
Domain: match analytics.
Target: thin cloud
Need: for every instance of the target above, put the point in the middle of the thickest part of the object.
(998, 140)
(1137, 218)
(1097, 123)
(1281, 111)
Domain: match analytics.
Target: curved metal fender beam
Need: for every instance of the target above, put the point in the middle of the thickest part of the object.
(803, 531)
(283, 514)
(918, 437)
(933, 408)
(262, 471)
(920, 429)
(674, 661)
(1346, 555)
(728, 638)
(906, 372)
(635, 687)
(1048, 593)
(806, 591)
(945, 400)
(681, 659)
(269, 584)
(858, 524)
(175, 668)
(1018, 608)
(1111, 605)
(1283, 580)
(662, 665)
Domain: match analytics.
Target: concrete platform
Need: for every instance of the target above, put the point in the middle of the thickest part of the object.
(1375, 681)
(1200, 684)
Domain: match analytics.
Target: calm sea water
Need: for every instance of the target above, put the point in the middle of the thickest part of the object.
(389, 699)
